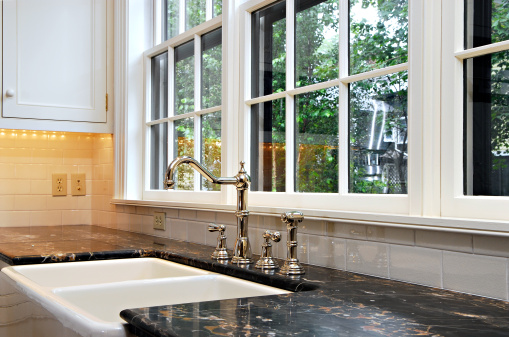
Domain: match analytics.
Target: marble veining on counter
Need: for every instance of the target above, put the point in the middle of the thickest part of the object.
(329, 302)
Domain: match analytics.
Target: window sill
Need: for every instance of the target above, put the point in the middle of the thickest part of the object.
(454, 225)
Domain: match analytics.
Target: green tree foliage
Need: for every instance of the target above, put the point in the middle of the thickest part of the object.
(377, 42)
(211, 148)
(195, 13)
(500, 86)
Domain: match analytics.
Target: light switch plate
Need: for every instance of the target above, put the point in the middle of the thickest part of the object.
(78, 184)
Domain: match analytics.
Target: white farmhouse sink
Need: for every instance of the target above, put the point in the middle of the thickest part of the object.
(105, 271)
(114, 298)
(87, 297)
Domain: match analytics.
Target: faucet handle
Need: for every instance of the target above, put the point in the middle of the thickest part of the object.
(274, 236)
(220, 253)
(289, 218)
(266, 260)
(217, 228)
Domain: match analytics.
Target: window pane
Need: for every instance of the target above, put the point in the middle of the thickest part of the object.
(316, 151)
(268, 144)
(184, 78)
(268, 50)
(486, 22)
(159, 87)
(217, 7)
(378, 135)
(211, 148)
(195, 13)
(378, 34)
(317, 41)
(487, 125)
(158, 154)
(184, 146)
(211, 69)
(170, 19)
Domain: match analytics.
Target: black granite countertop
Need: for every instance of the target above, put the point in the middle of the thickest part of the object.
(327, 302)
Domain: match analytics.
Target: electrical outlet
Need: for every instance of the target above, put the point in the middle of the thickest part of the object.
(59, 184)
(160, 220)
(78, 184)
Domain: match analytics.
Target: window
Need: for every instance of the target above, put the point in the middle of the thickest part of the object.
(476, 62)
(318, 125)
(366, 110)
(184, 112)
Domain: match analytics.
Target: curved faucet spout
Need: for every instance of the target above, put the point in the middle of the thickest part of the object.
(169, 182)
(242, 251)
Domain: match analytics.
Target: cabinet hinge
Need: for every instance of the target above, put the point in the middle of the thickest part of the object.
(106, 102)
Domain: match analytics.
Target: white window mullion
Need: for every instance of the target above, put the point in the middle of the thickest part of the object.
(197, 107)
(171, 100)
(290, 100)
(208, 10)
(343, 106)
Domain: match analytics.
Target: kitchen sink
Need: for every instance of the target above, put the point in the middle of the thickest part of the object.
(98, 272)
(114, 298)
(85, 298)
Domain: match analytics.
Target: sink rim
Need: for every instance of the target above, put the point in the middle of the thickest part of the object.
(73, 317)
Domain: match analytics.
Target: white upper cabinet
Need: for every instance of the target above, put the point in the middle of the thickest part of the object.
(55, 65)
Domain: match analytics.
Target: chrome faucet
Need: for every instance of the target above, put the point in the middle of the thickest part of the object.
(242, 250)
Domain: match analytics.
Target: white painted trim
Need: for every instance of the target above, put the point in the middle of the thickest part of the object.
(176, 41)
(482, 50)
(265, 98)
(343, 104)
(374, 73)
(184, 116)
(425, 132)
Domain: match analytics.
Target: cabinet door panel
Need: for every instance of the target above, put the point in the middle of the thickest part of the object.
(54, 60)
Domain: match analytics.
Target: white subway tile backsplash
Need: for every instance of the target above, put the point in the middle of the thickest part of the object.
(402, 236)
(196, 231)
(375, 233)
(46, 218)
(256, 240)
(179, 229)
(135, 222)
(6, 202)
(30, 202)
(491, 245)
(41, 187)
(416, 265)
(338, 246)
(256, 221)
(206, 216)
(315, 227)
(7, 171)
(320, 250)
(475, 274)
(367, 257)
(443, 240)
(147, 224)
(78, 217)
(123, 221)
(187, 214)
(226, 218)
(345, 230)
(231, 236)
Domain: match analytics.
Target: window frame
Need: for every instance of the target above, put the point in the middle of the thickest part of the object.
(453, 201)
(432, 202)
(194, 34)
(392, 204)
